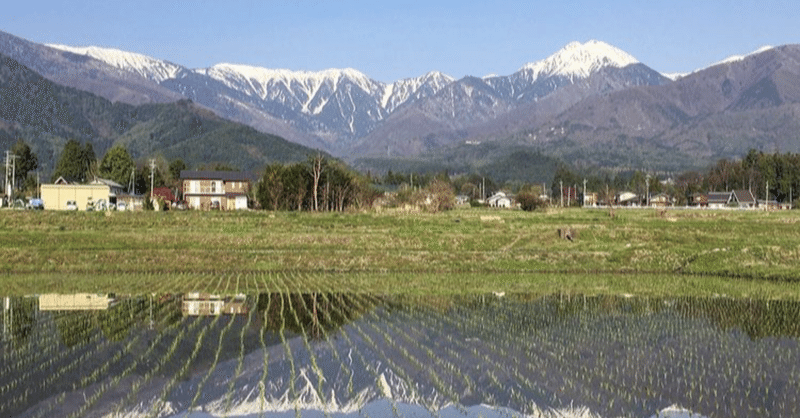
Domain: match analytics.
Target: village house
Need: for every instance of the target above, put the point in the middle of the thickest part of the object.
(744, 199)
(718, 200)
(660, 200)
(590, 199)
(203, 304)
(223, 190)
(627, 199)
(740, 199)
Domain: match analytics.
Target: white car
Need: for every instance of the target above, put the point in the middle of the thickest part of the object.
(72, 205)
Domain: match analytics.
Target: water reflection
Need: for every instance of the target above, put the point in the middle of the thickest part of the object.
(323, 354)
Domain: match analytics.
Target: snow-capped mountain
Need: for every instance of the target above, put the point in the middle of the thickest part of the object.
(729, 60)
(333, 106)
(495, 106)
(339, 107)
(577, 60)
(147, 67)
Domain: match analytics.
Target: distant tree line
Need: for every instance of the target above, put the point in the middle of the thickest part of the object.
(769, 176)
(323, 184)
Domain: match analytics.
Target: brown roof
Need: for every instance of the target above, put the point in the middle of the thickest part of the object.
(719, 197)
(744, 196)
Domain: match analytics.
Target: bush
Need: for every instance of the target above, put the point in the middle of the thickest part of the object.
(441, 196)
(529, 201)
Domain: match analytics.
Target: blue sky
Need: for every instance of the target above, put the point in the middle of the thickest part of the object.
(399, 39)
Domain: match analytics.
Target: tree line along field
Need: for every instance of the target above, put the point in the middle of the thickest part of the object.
(646, 252)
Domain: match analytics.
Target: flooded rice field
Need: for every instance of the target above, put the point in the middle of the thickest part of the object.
(356, 355)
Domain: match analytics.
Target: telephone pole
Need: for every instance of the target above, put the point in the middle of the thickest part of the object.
(11, 168)
(152, 175)
(584, 192)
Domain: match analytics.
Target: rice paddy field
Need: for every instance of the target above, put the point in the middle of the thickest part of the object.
(479, 313)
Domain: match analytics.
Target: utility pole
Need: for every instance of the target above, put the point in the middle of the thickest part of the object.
(561, 192)
(647, 193)
(152, 175)
(132, 181)
(766, 199)
(7, 318)
(11, 168)
(584, 192)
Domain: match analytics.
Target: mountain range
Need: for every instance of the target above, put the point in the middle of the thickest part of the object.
(589, 104)
(46, 114)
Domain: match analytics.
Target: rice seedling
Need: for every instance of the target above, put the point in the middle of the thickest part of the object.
(108, 384)
(157, 404)
(240, 365)
(201, 384)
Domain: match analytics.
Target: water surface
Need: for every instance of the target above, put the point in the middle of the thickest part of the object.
(371, 355)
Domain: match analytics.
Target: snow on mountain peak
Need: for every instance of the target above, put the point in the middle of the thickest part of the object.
(148, 67)
(261, 74)
(730, 60)
(580, 60)
(399, 92)
(735, 58)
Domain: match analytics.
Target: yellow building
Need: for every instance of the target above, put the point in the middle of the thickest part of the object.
(57, 196)
(75, 302)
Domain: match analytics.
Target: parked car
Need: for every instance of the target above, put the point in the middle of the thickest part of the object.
(72, 205)
(36, 204)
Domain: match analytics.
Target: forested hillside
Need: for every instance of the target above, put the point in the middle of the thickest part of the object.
(46, 115)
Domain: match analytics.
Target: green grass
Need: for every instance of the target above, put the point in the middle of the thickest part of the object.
(642, 252)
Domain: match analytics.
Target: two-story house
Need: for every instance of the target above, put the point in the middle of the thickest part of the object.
(225, 190)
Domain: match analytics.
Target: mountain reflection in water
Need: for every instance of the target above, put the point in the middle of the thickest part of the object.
(327, 354)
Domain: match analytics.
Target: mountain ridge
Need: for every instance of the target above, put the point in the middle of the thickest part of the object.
(549, 105)
(46, 115)
(339, 108)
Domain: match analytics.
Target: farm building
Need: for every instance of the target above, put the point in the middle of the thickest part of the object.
(55, 196)
(499, 200)
(75, 302)
(225, 190)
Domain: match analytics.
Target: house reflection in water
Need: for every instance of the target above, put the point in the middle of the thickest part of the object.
(204, 304)
(76, 302)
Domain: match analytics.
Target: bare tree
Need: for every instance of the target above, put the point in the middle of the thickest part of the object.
(317, 163)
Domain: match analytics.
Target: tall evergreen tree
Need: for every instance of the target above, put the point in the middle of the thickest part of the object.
(88, 161)
(71, 164)
(26, 161)
(117, 165)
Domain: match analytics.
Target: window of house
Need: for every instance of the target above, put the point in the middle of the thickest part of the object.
(213, 187)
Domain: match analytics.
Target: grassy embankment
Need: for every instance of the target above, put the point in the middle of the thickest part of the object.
(641, 252)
